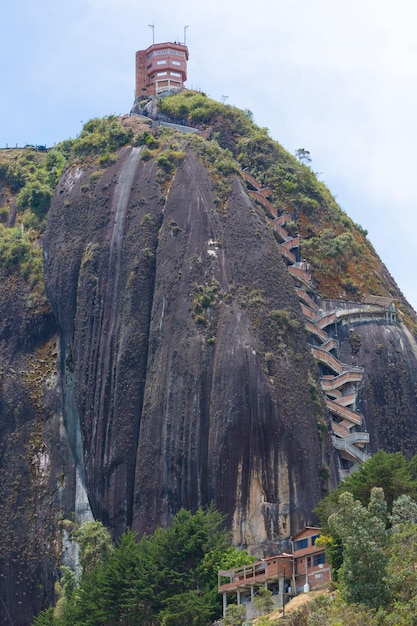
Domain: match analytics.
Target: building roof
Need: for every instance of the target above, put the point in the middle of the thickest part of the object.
(384, 301)
(300, 532)
(284, 555)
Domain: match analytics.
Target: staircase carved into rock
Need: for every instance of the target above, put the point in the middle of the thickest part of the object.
(339, 381)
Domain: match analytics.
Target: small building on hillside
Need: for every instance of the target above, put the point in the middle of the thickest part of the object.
(310, 567)
(161, 68)
(285, 575)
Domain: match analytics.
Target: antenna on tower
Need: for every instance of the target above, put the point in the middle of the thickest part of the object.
(153, 32)
(185, 35)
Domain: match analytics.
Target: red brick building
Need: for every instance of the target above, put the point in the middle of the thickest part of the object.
(161, 68)
(285, 575)
(310, 567)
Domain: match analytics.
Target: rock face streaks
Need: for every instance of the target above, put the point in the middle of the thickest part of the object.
(98, 248)
(118, 210)
(175, 410)
(101, 427)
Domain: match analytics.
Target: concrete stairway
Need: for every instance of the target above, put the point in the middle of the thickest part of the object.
(341, 385)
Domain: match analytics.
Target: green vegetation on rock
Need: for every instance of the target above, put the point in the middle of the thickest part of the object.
(29, 178)
(101, 136)
(18, 251)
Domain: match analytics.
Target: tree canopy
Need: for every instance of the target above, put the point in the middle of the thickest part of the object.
(370, 525)
(389, 471)
(167, 579)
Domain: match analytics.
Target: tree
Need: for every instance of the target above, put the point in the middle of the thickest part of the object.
(263, 601)
(45, 618)
(36, 196)
(168, 578)
(186, 609)
(303, 156)
(390, 471)
(334, 551)
(119, 598)
(95, 544)
(404, 510)
(364, 537)
(402, 566)
(248, 114)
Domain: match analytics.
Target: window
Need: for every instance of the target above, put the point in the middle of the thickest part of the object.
(319, 559)
(162, 73)
(177, 74)
(179, 53)
(176, 62)
(156, 53)
(313, 539)
(300, 544)
(161, 62)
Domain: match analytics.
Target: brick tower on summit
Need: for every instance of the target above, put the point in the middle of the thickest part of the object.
(161, 68)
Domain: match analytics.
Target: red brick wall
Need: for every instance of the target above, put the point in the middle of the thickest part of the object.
(148, 68)
(306, 533)
(141, 75)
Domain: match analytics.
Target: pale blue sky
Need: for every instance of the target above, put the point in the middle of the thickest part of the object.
(336, 78)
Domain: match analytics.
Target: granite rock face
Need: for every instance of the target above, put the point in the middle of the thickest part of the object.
(37, 472)
(168, 367)
(387, 397)
(187, 387)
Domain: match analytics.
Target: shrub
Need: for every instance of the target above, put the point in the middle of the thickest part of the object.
(4, 214)
(18, 253)
(107, 159)
(168, 161)
(35, 196)
(235, 615)
(101, 135)
(204, 300)
(94, 177)
(147, 139)
(146, 155)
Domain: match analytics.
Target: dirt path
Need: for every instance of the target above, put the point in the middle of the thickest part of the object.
(294, 604)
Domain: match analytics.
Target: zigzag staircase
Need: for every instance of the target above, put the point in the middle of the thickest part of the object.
(339, 381)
